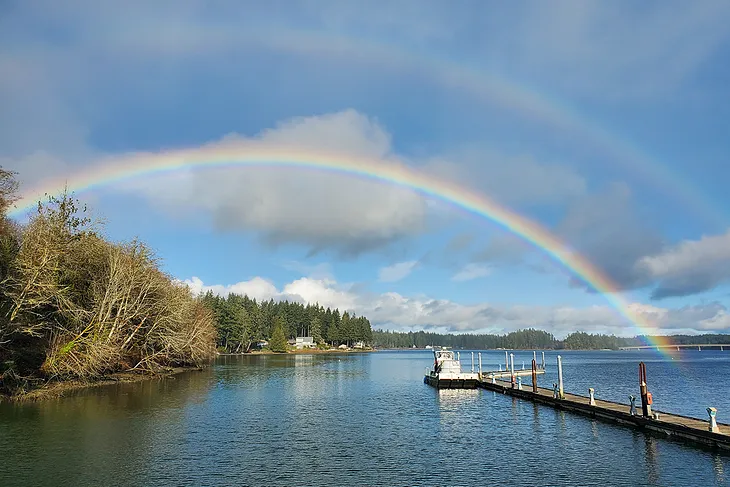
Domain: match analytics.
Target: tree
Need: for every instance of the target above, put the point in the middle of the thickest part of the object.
(316, 329)
(278, 341)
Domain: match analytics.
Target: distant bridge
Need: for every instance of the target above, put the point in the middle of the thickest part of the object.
(698, 346)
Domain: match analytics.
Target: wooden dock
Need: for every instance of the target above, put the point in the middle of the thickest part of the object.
(669, 425)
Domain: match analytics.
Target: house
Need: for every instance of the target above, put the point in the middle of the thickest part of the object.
(359, 345)
(304, 342)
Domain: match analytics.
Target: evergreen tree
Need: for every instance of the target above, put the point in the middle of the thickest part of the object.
(316, 330)
(278, 341)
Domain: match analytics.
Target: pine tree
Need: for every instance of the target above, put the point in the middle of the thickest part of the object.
(278, 341)
(316, 330)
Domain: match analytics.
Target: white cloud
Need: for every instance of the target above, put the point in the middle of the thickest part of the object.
(395, 311)
(396, 272)
(690, 266)
(318, 209)
(472, 271)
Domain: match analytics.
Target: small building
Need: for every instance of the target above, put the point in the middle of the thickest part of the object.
(359, 345)
(304, 342)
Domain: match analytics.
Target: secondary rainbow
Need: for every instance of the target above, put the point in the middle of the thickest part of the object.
(120, 169)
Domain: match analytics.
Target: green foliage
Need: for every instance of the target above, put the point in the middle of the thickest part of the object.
(242, 322)
(278, 341)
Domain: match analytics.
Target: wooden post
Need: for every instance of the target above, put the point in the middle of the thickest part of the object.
(534, 375)
(512, 369)
(560, 378)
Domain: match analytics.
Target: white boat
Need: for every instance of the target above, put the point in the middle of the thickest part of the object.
(447, 374)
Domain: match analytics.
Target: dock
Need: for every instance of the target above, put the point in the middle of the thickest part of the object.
(708, 434)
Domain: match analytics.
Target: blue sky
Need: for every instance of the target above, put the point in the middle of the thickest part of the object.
(605, 122)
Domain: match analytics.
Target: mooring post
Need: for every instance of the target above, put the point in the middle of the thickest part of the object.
(646, 399)
(592, 401)
(713, 424)
(632, 410)
(560, 377)
(472, 361)
(512, 369)
(506, 361)
(480, 362)
(534, 355)
(543, 360)
(534, 375)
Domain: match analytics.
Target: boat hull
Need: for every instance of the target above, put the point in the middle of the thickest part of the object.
(440, 383)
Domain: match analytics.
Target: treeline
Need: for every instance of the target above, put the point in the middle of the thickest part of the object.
(529, 338)
(75, 305)
(533, 339)
(242, 322)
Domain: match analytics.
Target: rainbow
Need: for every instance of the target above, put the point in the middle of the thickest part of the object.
(126, 168)
(486, 86)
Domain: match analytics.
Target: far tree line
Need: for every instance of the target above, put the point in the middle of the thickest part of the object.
(532, 339)
(243, 322)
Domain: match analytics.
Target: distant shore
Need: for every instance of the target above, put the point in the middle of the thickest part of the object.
(303, 351)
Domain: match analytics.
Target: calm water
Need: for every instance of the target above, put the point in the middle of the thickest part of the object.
(361, 419)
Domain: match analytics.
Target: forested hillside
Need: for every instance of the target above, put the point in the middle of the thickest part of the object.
(241, 322)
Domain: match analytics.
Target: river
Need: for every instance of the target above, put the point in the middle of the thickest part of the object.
(363, 419)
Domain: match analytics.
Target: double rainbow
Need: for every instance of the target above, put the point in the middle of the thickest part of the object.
(126, 168)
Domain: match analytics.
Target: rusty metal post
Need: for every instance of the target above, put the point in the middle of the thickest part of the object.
(534, 375)
(646, 399)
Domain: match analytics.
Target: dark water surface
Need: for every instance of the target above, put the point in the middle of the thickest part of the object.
(362, 419)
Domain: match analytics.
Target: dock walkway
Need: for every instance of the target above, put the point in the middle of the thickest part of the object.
(671, 425)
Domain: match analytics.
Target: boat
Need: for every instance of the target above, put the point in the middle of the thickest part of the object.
(447, 374)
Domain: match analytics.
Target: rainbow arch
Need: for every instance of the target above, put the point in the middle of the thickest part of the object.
(116, 170)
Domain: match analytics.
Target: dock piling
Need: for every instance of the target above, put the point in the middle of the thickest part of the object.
(592, 400)
(472, 361)
(646, 399)
(543, 360)
(506, 361)
(534, 376)
(512, 369)
(480, 362)
(713, 423)
(560, 377)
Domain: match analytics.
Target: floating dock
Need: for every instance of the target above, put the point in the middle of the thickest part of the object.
(709, 433)
(669, 425)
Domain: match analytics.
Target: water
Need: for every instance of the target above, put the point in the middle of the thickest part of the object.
(361, 419)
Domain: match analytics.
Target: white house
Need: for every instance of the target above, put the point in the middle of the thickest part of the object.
(304, 342)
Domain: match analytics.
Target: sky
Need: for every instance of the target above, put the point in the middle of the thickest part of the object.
(606, 123)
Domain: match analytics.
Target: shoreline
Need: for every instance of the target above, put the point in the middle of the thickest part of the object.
(57, 389)
(311, 351)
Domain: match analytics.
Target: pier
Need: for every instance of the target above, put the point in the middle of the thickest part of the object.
(708, 433)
